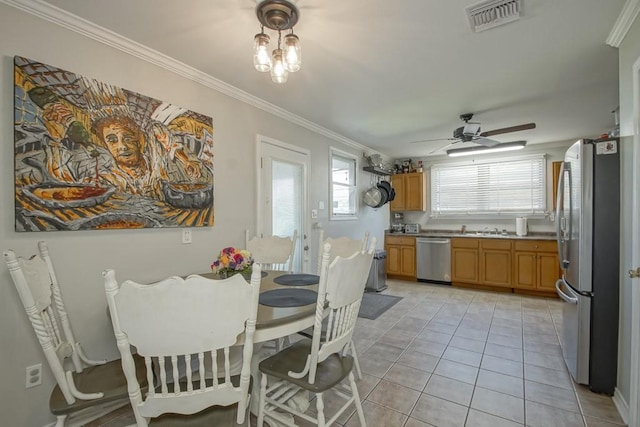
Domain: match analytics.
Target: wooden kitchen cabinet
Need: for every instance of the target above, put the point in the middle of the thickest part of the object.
(401, 256)
(410, 191)
(495, 262)
(507, 263)
(536, 265)
(464, 260)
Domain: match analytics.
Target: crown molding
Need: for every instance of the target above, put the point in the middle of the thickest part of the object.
(623, 23)
(86, 28)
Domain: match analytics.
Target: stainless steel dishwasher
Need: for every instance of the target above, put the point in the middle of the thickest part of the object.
(434, 259)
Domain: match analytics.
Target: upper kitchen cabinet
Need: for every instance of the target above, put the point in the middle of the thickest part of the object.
(410, 192)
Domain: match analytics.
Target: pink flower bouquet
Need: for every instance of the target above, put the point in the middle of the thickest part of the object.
(232, 260)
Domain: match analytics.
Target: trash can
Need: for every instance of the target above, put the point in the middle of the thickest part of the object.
(377, 281)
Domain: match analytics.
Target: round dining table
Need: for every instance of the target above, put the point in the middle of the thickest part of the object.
(278, 322)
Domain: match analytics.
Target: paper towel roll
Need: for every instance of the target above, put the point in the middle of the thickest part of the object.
(521, 226)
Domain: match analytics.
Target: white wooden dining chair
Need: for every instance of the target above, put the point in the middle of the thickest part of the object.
(86, 389)
(343, 247)
(340, 246)
(322, 363)
(273, 252)
(185, 330)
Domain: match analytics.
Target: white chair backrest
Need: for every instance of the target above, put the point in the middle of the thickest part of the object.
(184, 328)
(273, 252)
(36, 282)
(341, 246)
(340, 291)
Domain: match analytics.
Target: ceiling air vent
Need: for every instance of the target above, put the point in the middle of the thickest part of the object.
(492, 13)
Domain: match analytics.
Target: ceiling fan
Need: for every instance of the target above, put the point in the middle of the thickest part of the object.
(470, 132)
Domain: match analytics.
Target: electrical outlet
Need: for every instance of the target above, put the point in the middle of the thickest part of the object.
(186, 236)
(34, 375)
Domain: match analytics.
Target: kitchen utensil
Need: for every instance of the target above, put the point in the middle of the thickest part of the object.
(385, 194)
(373, 197)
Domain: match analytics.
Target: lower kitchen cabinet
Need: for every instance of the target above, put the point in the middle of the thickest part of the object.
(506, 263)
(536, 265)
(401, 256)
(495, 262)
(464, 260)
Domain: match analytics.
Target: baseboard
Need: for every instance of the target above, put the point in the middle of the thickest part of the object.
(621, 405)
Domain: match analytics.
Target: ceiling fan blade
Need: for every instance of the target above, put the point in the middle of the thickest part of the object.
(509, 129)
(443, 147)
(432, 140)
(487, 142)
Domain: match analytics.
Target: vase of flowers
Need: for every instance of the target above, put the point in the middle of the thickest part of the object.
(232, 261)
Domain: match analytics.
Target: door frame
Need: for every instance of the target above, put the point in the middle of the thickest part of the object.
(634, 398)
(304, 233)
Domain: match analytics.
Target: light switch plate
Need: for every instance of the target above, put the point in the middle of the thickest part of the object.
(321, 205)
(314, 213)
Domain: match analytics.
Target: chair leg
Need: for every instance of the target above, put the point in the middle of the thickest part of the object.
(356, 395)
(60, 420)
(263, 400)
(320, 408)
(282, 343)
(352, 350)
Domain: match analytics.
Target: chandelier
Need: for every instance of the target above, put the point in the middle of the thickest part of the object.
(277, 15)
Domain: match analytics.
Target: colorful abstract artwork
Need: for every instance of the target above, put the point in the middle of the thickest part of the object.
(90, 156)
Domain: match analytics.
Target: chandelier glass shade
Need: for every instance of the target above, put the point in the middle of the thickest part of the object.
(277, 15)
(261, 58)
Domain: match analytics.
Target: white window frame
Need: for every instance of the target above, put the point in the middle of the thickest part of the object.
(334, 152)
(539, 210)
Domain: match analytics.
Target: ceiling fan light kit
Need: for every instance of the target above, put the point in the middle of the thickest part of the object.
(277, 15)
(483, 149)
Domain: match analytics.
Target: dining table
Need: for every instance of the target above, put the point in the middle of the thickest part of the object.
(276, 321)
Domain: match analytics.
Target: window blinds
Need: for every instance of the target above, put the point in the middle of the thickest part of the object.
(508, 185)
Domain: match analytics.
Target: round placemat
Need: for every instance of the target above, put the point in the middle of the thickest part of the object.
(288, 297)
(297, 279)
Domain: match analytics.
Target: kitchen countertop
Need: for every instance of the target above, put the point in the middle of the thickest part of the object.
(473, 234)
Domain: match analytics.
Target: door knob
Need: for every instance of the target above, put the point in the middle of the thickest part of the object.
(634, 274)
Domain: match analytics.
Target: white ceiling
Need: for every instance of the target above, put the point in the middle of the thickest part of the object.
(383, 73)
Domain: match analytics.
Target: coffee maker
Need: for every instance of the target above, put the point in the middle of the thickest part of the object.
(397, 222)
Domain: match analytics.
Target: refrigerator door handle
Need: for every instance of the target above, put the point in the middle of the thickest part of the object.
(561, 221)
(568, 298)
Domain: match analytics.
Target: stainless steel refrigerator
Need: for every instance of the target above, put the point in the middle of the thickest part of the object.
(588, 227)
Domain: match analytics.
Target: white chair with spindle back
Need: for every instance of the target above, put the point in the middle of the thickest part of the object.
(185, 330)
(322, 363)
(343, 247)
(86, 389)
(273, 252)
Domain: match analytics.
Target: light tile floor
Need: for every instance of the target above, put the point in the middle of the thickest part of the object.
(445, 356)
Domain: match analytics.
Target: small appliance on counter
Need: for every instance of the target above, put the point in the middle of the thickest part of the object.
(412, 228)
(397, 222)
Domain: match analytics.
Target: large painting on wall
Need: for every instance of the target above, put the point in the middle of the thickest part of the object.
(90, 155)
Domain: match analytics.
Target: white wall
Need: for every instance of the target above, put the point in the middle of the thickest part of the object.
(554, 152)
(629, 53)
(142, 255)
